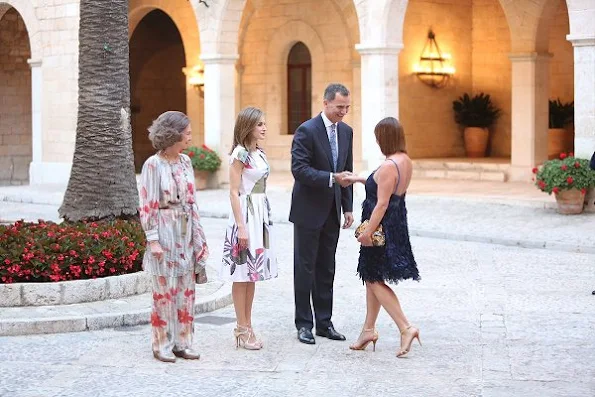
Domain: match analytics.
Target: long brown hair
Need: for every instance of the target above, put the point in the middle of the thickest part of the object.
(390, 136)
(246, 121)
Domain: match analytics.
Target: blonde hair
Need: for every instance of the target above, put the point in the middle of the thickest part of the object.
(246, 121)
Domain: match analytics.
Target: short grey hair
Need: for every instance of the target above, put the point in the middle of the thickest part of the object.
(332, 89)
(167, 129)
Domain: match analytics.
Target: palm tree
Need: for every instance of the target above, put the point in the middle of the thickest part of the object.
(102, 181)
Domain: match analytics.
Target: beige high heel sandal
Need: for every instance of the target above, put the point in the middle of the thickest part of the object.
(363, 344)
(411, 336)
(245, 338)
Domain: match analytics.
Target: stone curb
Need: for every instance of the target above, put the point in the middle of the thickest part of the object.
(95, 321)
(531, 244)
(72, 292)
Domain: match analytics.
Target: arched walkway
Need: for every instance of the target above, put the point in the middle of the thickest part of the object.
(157, 83)
(15, 99)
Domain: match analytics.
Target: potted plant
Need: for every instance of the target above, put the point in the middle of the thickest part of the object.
(560, 116)
(568, 178)
(475, 114)
(205, 161)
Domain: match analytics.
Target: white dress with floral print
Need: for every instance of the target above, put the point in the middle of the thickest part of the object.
(169, 214)
(258, 262)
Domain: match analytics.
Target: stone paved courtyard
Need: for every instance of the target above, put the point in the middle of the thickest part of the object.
(494, 320)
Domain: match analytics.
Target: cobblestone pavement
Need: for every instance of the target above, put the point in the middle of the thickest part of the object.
(494, 320)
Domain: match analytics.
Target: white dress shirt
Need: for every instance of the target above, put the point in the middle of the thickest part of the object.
(327, 124)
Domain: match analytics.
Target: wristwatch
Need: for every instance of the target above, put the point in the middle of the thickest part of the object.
(333, 178)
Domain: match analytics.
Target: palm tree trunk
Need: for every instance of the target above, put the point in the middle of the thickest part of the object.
(102, 181)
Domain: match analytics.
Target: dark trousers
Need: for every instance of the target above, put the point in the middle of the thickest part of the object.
(314, 272)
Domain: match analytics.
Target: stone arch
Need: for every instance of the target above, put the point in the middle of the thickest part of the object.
(181, 14)
(219, 25)
(284, 39)
(15, 99)
(157, 81)
(381, 22)
(582, 19)
(27, 12)
(529, 23)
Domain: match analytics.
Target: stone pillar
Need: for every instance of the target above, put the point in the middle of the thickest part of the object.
(380, 95)
(36, 106)
(530, 95)
(194, 105)
(584, 94)
(220, 104)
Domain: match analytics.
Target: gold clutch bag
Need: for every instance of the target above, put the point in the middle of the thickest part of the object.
(378, 239)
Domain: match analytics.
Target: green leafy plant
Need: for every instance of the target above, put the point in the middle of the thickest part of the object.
(476, 111)
(565, 173)
(560, 114)
(203, 158)
(48, 252)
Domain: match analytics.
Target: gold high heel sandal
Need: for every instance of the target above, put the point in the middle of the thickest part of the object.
(243, 336)
(414, 334)
(363, 344)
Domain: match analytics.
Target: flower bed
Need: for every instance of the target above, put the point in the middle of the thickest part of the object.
(50, 252)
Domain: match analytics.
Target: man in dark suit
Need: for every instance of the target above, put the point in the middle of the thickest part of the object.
(321, 157)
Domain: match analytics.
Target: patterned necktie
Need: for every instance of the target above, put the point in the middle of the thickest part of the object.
(333, 142)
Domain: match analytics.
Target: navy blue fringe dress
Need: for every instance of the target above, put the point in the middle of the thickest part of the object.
(394, 261)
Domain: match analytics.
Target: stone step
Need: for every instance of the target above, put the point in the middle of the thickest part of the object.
(493, 170)
(127, 311)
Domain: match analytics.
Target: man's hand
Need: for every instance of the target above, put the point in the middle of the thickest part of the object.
(341, 178)
(348, 220)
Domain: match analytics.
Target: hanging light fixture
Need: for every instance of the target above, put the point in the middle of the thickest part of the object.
(433, 68)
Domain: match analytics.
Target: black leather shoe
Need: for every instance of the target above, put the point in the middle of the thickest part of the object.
(593, 293)
(305, 336)
(330, 333)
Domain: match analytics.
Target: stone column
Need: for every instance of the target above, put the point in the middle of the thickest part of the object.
(194, 105)
(220, 104)
(584, 94)
(36, 130)
(380, 95)
(530, 94)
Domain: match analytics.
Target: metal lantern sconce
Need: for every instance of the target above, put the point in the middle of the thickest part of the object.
(433, 68)
(196, 77)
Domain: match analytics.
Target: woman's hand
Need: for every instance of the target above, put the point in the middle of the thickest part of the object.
(352, 178)
(242, 237)
(365, 239)
(156, 250)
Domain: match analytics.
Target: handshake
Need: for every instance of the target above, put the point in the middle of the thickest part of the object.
(346, 178)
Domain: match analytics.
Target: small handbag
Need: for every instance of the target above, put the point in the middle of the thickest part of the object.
(378, 239)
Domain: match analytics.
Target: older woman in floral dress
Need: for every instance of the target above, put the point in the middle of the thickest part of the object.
(176, 244)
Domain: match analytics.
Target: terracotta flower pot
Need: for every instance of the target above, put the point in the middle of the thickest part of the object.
(557, 139)
(476, 141)
(570, 201)
(201, 179)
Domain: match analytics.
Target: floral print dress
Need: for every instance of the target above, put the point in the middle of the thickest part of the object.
(169, 214)
(258, 262)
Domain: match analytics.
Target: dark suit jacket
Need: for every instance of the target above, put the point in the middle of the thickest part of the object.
(592, 163)
(311, 165)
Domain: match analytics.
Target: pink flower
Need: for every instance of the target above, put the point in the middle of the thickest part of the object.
(562, 156)
(556, 190)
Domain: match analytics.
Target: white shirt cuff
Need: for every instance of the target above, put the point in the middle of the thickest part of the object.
(330, 180)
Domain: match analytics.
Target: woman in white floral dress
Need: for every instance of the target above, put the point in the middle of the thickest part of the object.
(176, 244)
(247, 254)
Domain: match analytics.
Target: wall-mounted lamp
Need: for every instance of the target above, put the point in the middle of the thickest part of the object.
(433, 68)
(196, 77)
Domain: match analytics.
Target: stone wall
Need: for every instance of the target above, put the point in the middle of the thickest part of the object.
(157, 82)
(268, 32)
(426, 112)
(15, 100)
(492, 70)
(562, 62)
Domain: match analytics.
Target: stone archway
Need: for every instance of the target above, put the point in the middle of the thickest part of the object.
(15, 99)
(157, 83)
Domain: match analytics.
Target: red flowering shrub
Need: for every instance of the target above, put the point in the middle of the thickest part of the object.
(203, 158)
(565, 173)
(47, 251)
